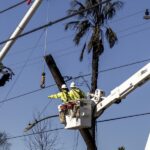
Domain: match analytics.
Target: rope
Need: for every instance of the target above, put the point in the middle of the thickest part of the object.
(43, 78)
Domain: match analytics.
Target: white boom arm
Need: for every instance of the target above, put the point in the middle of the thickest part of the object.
(120, 92)
(147, 147)
(19, 28)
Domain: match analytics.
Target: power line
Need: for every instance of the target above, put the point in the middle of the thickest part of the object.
(118, 31)
(24, 94)
(135, 32)
(127, 16)
(85, 75)
(23, 67)
(24, 135)
(132, 27)
(13, 6)
(39, 57)
(54, 22)
(125, 65)
(75, 51)
(124, 117)
(41, 45)
(64, 37)
(62, 128)
(120, 37)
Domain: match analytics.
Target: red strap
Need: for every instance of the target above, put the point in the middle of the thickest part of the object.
(29, 2)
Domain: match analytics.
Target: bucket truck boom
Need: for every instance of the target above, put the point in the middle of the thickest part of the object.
(147, 147)
(99, 103)
(5, 71)
(120, 92)
(19, 28)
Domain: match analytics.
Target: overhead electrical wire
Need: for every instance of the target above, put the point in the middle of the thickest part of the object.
(75, 51)
(13, 6)
(56, 21)
(24, 94)
(124, 117)
(123, 29)
(51, 23)
(22, 68)
(132, 27)
(85, 75)
(100, 71)
(68, 36)
(31, 92)
(62, 128)
(24, 135)
(120, 37)
(135, 32)
(128, 16)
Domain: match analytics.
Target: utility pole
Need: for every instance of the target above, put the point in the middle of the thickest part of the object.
(54, 71)
(85, 133)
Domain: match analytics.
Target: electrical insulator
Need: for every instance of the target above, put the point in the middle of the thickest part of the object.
(147, 12)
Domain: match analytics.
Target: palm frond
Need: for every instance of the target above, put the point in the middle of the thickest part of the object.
(72, 25)
(82, 51)
(111, 37)
(80, 4)
(109, 10)
(82, 29)
(76, 6)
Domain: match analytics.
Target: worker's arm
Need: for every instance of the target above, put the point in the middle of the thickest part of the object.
(58, 95)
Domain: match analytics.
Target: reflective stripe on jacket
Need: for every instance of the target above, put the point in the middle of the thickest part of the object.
(64, 96)
(76, 94)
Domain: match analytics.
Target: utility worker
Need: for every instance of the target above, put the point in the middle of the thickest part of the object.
(63, 95)
(75, 93)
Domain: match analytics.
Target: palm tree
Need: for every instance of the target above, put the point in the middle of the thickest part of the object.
(93, 22)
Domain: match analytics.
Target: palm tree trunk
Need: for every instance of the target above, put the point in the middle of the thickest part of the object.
(95, 64)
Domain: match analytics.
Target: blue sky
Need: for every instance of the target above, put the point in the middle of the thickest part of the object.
(25, 58)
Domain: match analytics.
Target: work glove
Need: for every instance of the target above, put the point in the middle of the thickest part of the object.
(50, 96)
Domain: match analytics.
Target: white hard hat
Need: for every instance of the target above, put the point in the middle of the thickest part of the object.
(64, 86)
(72, 85)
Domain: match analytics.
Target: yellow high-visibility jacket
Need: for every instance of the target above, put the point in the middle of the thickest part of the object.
(76, 94)
(64, 96)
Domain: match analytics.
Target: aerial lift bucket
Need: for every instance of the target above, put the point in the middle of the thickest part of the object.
(79, 115)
